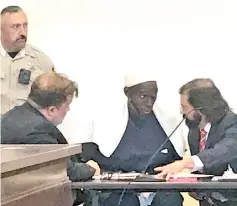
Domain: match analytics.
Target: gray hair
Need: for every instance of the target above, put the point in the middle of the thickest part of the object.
(195, 84)
(11, 9)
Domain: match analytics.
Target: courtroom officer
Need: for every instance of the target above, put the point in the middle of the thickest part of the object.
(21, 63)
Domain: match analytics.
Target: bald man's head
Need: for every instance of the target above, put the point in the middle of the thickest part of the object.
(52, 93)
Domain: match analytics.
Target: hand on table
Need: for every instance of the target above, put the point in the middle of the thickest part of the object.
(171, 169)
(95, 166)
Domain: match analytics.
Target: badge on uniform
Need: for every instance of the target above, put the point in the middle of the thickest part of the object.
(25, 74)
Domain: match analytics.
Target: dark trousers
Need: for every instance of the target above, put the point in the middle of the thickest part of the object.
(207, 199)
(131, 199)
(167, 199)
(114, 199)
(217, 203)
(81, 196)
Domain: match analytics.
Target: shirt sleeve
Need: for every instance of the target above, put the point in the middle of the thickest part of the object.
(198, 165)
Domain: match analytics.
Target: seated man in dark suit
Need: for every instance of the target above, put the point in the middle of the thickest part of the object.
(35, 122)
(212, 138)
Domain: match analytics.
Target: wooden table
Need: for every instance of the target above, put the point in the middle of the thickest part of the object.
(36, 175)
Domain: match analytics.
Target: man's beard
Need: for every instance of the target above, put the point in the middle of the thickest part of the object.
(191, 124)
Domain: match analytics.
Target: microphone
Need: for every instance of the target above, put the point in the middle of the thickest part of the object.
(158, 150)
(168, 138)
(162, 145)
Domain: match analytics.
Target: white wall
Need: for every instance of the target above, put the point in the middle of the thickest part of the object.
(182, 39)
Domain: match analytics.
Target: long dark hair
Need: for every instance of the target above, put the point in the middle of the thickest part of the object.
(206, 96)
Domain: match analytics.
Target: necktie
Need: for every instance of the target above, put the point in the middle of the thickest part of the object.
(202, 140)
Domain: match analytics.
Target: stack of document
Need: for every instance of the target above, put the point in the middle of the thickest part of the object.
(133, 176)
(117, 176)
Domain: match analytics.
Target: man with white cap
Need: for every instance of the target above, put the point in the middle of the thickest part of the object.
(130, 141)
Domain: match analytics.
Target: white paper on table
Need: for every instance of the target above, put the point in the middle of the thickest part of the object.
(190, 175)
(228, 175)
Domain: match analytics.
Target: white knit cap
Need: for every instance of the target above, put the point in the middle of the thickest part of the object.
(131, 80)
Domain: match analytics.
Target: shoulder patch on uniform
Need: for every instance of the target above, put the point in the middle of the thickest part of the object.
(34, 48)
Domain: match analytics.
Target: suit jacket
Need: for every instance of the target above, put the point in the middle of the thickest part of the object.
(221, 146)
(26, 125)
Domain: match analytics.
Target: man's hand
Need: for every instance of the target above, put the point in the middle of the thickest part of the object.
(95, 166)
(175, 167)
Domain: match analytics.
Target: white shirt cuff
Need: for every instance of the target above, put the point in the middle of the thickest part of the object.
(198, 165)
